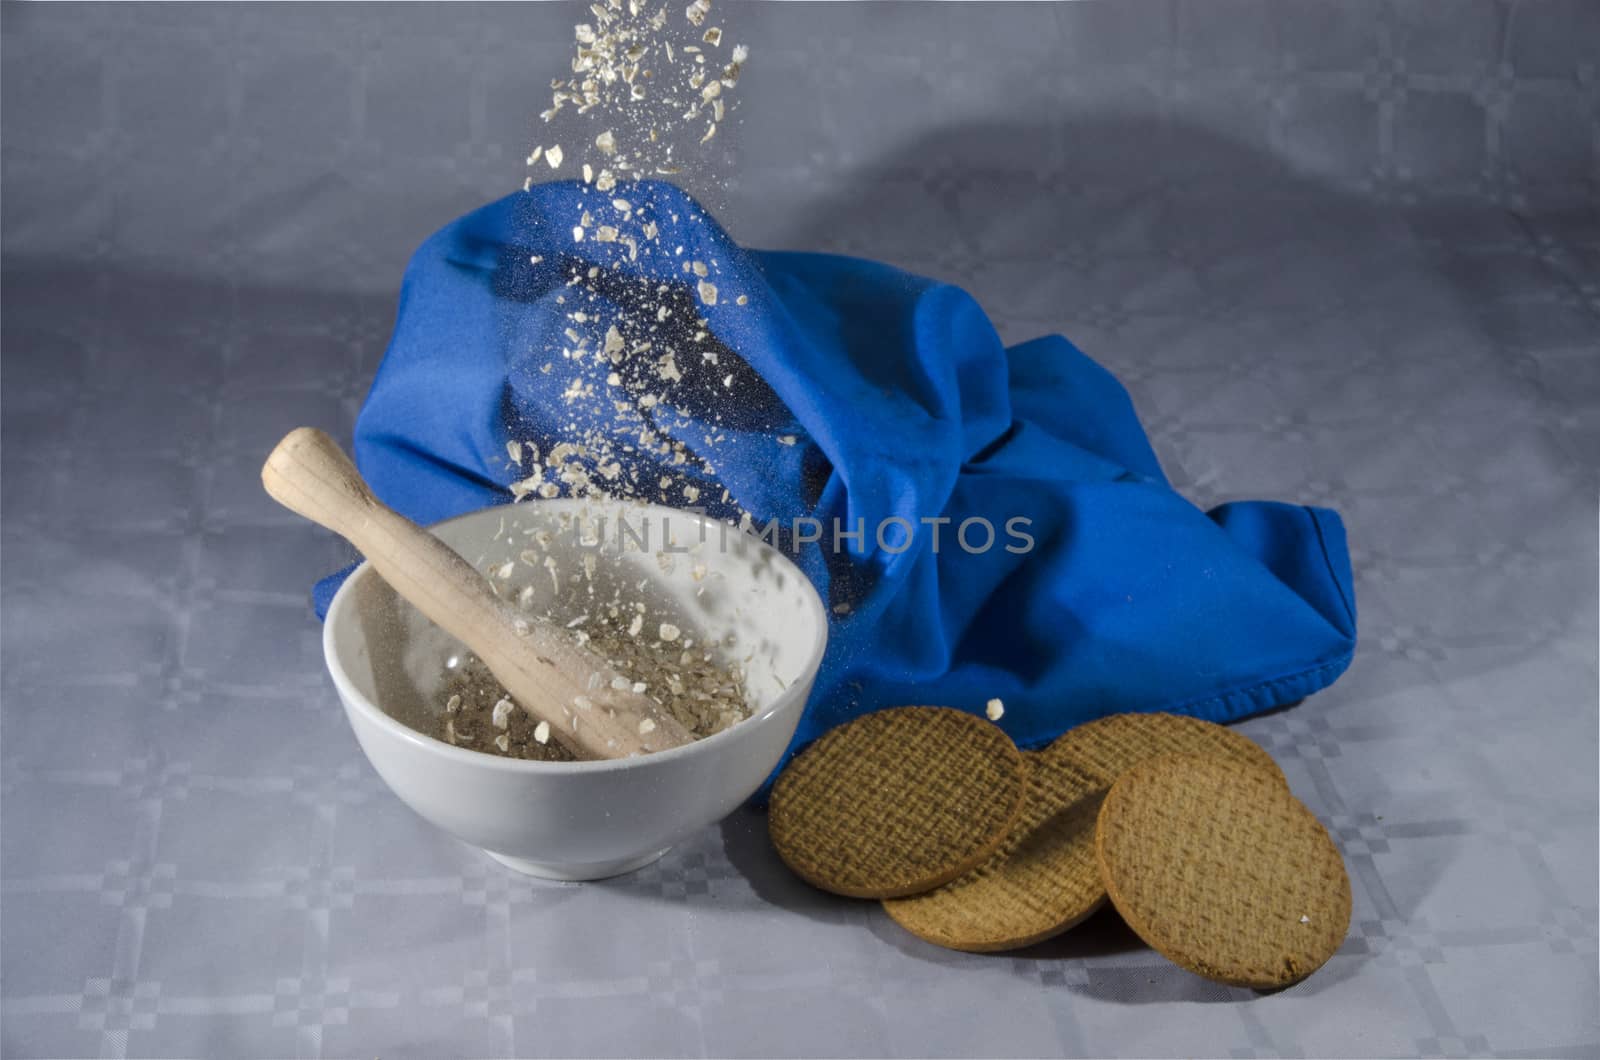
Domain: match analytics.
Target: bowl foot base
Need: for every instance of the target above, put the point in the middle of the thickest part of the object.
(572, 871)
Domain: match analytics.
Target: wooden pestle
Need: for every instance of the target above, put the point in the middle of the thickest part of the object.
(545, 669)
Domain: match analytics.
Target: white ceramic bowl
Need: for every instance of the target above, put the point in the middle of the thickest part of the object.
(584, 820)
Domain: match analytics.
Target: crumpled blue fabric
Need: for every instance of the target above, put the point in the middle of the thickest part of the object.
(902, 401)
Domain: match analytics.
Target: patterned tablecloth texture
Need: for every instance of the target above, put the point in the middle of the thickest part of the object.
(1344, 254)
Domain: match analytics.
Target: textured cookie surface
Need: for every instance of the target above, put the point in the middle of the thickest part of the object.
(1043, 880)
(897, 802)
(1219, 868)
(1111, 746)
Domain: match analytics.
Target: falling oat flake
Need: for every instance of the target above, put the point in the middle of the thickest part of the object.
(627, 74)
(645, 87)
(644, 96)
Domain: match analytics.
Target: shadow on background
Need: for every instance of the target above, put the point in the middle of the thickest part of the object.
(1142, 218)
(227, 369)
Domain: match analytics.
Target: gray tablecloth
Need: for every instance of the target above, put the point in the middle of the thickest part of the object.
(1346, 254)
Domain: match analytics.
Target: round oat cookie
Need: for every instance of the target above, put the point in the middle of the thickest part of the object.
(1043, 880)
(897, 801)
(1212, 862)
(1110, 746)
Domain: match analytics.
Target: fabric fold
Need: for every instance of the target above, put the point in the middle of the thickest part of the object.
(1099, 588)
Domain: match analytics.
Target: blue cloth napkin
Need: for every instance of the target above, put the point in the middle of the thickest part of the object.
(902, 403)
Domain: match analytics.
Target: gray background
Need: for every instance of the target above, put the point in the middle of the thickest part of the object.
(1346, 254)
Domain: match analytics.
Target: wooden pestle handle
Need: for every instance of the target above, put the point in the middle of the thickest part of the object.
(544, 669)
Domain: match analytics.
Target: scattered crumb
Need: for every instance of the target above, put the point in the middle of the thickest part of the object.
(647, 82)
(690, 682)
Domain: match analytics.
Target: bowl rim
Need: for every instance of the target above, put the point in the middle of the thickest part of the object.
(355, 698)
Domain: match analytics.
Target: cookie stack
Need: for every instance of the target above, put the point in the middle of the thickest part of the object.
(1187, 827)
